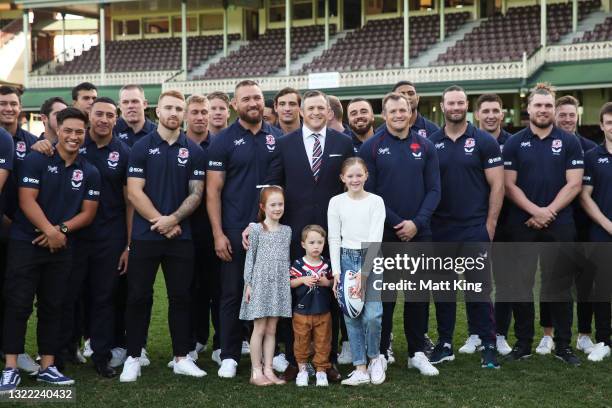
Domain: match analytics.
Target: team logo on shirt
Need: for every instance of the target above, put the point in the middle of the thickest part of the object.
(384, 150)
(113, 159)
(556, 146)
(154, 151)
(52, 169)
(239, 142)
(82, 150)
(416, 150)
(20, 149)
(123, 136)
(270, 142)
(77, 179)
(525, 144)
(422, 132)
(470, 143)
(183, 156)
(603, 160)
(439, 146)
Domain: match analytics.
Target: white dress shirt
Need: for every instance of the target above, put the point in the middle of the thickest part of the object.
(309, 141)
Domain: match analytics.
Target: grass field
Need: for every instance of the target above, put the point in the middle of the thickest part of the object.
(541, 381)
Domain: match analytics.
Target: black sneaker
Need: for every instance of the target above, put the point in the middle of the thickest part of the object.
(567, 355)
(429, 346)
(519, 352)
(489, 357)
(442, 352)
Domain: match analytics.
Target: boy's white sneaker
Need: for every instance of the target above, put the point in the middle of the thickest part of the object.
(302, 379)
(357, 377)
(546, 346)
(585, 344)
(187, 366)
(131, 370)
(322, 379)
(421, 363)
(228, 368)
(471, 344)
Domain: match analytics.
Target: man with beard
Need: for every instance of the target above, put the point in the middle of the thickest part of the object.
(165, 185)
(238, 162)
(287, 105)
(133, 124)
(360, 121)
(472, 179)
(83, 96)
(391, 155)
(543, 175)
(418, 122)
(219, 113)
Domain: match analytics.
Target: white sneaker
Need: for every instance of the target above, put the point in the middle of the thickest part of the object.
(302, 379)
(546, 346)
(321, 379)
(345, 356)
(118, 356)
(471, 344)
(80, 357)
(421, 363)
(502, 345)
(144, 358)
(585, 344)
(25, 363)
(228, 368)
(193, 355)
(376, 369)
(216, 356)
(200, 347)
(357, 377)
(600, 351)
(280, 363)
(131, 370)
(390, 356)
(87, 350)
(187, 366)
(246, 349)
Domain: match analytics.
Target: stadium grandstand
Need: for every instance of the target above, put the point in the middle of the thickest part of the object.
(345, 47)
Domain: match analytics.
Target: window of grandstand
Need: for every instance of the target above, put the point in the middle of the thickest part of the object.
(421, 5)
(156, 25)
(192, 23)
(458, 3)
(380, 6)
(211, 22)
(126, 27)
(333, 8)
(302, 10)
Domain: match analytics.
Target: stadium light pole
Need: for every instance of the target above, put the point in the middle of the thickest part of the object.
(26, 50)
(184, 38)
(442, 20)
(574, 16)
(406, 34)
(326, 24)
(543, 23)
(288, 37)
(102, 35)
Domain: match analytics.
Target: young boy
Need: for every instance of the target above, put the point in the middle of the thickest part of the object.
(311, 279)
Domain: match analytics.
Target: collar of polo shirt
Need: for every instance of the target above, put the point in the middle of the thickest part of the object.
(182, 139)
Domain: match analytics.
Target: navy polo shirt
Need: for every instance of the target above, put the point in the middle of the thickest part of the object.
(7, 150)
(357, 143)
(125, 133)
(168, 169)
(112, 162)
(503, 138)
(465, 190)
(245, 158)
(581, 218)
(422, 126)
(200, 224)
(61, 190)
(598, 173)
(541, 165)
(405, 173)
(23, 141)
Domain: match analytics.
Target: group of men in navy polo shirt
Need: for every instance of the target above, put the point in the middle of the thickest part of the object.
(131, 200)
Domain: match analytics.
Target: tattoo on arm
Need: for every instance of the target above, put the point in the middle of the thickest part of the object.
(193, 200)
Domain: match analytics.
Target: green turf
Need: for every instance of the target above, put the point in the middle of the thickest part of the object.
(541, 381)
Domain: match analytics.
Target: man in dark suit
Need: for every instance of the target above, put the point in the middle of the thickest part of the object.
(307, 164)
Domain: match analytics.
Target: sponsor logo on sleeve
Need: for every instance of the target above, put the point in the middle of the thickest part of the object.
(136, 170)
(93, 193)
(215, 163)
(31, 180)
(495, 160)
(199, 172)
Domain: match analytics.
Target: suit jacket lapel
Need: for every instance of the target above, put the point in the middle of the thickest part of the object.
(301, 147)
(329, 147)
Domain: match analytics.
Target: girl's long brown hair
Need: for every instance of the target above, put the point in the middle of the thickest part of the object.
(263, 198)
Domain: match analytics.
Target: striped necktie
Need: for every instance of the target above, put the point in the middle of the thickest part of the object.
(316, 156)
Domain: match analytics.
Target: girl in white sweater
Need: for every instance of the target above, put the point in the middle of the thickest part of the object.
(355, 217)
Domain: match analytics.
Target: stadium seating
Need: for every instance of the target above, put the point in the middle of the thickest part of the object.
(266, 55)
(379, 43)
(505, 38)
(146, 55)
(601, 32)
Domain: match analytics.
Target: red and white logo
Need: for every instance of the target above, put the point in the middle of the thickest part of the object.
(113, 159)
(416, 150)
(270, 142)
(20, 149)
(557, 145)
(183, 156)
(470, 143)
(77, 178)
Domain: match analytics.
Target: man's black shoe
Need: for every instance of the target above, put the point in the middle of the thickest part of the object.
(567, 355)
(104, 370)
(519, 352)
(489, 357)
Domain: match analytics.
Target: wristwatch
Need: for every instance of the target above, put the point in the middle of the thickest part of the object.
(63, 228)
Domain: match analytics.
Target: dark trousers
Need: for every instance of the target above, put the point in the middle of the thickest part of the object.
(176, 259)
(556, 278)
(94, 271)
(501, 275)
(232, 287)
(3, 266)
(206, 287)
(479, 308)
(34, 271)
